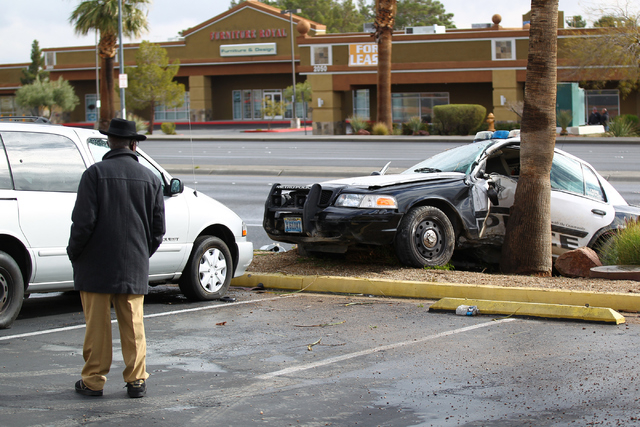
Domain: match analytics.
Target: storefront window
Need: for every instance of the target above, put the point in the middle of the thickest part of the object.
(163, 113)
(237, 105)
(361, 103)
(606, 98)
(407, 105)
(257, 104)
(8, 106)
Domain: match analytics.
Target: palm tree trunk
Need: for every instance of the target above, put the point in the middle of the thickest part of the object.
(385, 19)
(384, 78)
(527, 246)
(107, 111)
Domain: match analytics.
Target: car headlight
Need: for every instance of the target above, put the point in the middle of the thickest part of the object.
(367, 201)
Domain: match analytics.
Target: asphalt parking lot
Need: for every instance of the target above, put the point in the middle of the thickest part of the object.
(273, 358)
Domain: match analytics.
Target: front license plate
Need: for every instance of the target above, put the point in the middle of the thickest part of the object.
(293, 225)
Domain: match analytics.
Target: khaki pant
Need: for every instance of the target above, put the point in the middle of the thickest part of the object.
(97, 349)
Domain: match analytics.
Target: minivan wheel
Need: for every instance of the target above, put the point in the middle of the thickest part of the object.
(208, 272)
(11, 290)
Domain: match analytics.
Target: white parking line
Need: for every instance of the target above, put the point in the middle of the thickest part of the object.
(377, 349)
(148, 316)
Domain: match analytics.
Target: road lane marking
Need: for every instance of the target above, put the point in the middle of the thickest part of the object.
(340, 358)
(147, 316)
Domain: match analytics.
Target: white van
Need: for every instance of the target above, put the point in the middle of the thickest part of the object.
(40, 167)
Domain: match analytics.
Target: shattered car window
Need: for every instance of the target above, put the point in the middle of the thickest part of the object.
(566, 175)
(457, 159)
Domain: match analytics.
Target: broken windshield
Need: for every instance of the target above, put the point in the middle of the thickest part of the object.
(458, 159)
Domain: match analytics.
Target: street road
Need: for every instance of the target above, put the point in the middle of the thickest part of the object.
(316, 360)
(368, 154)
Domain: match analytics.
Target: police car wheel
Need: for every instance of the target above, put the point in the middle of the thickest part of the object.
(425, 238)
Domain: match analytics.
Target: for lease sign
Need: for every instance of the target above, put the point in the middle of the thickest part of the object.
(363, 54)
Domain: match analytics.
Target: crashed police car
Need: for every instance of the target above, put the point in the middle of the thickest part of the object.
(457, 200)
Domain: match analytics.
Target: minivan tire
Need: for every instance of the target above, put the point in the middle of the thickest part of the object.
(208, 272)
(11, 290)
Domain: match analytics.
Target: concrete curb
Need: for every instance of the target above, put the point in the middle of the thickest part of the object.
(429, 290)
(510, 308)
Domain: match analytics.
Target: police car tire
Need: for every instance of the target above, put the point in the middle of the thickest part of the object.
(11, 290)
(409, 242)
(209, 258)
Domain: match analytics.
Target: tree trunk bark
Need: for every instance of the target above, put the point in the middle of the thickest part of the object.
(107, 110)
(527, 245)
(384, 78)
(152, 105)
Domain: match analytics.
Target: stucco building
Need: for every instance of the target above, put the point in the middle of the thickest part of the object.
(231, 63)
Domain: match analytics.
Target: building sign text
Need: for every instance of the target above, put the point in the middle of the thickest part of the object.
(253, 49)
(363, 54)
(248, 34)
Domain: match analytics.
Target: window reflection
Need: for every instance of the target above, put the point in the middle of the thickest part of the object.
(43, 162)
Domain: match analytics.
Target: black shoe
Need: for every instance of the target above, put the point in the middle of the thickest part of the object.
(82, 388)
(138, 388)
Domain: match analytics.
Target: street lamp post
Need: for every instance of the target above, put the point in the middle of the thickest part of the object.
(123, 84)
(294, 120)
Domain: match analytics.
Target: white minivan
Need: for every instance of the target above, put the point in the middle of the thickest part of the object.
(40, 167)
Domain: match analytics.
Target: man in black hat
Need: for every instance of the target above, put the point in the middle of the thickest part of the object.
(118, 223)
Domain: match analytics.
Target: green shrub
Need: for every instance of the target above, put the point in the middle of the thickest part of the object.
(168, 128)
(564, 118)
(379, 129)
(357, 123)
(630, 118)
(623, 248)
(415, 125)
(506, 125)
(621, 127)
(397, 129)
(458, 119)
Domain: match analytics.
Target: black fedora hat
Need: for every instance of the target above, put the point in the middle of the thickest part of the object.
(124, 129)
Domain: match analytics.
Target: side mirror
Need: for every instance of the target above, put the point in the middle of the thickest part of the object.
(175, 187)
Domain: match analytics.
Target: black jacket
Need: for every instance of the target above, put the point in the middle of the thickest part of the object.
(118, 223)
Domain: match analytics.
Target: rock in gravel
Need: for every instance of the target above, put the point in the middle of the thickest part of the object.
(578, 262)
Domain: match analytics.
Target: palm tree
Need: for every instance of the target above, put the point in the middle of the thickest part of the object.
(102, 15)
(385, 18)
(527, 246)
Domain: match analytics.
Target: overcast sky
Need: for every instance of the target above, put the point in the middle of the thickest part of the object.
(47, 21)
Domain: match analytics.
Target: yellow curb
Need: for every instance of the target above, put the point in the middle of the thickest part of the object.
(629, 302)
(594, 314)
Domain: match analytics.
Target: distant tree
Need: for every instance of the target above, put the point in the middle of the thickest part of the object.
(151, 81)
(614, 21)
(575, 22)
(272, 109)
(37, 67)
(611, 54)
(339, 16)
(46, 97)
(303, 92)
(102, 15)
(413, 13)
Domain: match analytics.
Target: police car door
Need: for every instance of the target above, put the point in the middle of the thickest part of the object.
(578, 204)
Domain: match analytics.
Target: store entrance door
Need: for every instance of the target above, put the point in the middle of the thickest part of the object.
(274, 96)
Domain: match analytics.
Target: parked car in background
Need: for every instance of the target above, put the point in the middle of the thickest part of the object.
(455, 200)
(40, 167)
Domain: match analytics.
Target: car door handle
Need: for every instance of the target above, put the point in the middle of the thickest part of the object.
(598, 212)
